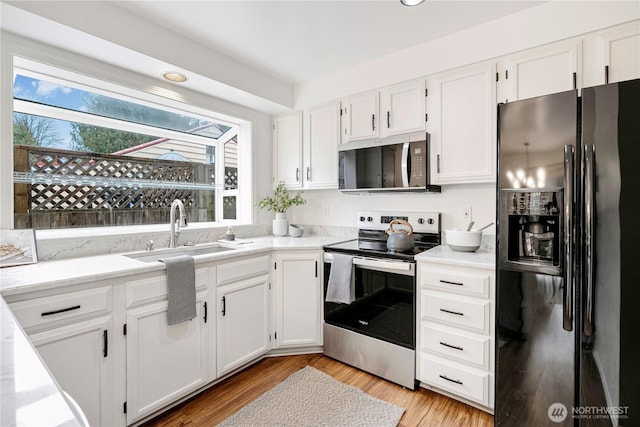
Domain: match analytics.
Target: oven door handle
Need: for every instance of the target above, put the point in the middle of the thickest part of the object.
(378, 264)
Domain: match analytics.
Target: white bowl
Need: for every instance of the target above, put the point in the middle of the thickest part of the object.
(295, 230)
(462, 240)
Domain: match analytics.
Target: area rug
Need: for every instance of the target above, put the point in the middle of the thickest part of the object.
(311, 398)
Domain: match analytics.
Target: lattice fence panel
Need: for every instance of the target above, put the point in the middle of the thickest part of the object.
(54, 196)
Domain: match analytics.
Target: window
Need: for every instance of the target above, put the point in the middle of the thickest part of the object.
(88, 153)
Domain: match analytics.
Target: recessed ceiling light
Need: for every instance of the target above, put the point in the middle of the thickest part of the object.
(174, 76)
(411, 2)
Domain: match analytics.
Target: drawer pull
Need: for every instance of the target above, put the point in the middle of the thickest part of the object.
(455, 347)
(457, 313)
(447, 282)
(444, 377)
(63, 310)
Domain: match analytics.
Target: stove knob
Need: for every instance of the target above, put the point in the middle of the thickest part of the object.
(430, 221)
(420, 220)
(362, 219)
(370, 219)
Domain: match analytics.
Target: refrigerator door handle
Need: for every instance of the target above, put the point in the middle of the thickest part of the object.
(589, 228)
(569, 185)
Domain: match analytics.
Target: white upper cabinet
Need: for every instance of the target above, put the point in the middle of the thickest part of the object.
(462, 117)
(620, 54)
(287, 150)
(306, 147)
(390, 111)
(402, 108)
(360, 117)
(320, 147)
(542, 71)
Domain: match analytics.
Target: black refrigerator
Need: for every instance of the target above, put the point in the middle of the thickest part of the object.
(568, 259)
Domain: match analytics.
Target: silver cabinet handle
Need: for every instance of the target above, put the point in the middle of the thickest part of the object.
(297, 174)
(373, 122)
(388, 119)
(438, 163)
(589, 229)
(308, 173)
(569, 182)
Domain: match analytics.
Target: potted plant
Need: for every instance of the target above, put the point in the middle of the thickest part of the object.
(279, 203)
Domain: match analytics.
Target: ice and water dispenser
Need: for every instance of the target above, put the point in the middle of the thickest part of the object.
(531, 224)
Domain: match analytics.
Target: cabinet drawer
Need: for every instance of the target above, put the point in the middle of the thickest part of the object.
(470, 313)
(150, 289)
(244, 268)
(475, 282)
(469, 348)
(467, 383)
(70, 305)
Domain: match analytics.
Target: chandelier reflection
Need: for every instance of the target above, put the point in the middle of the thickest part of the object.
(525, 177)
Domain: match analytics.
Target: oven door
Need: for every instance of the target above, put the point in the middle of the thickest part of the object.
(384, 307)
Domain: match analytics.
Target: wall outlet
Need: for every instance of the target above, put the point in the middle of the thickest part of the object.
(326, 210)
(466, 215)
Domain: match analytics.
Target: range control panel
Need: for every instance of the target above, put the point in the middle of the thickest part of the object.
(422, 222)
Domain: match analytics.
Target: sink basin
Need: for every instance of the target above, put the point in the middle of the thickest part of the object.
(158, 254)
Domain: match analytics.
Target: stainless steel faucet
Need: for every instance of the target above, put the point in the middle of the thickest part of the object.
(182, 222)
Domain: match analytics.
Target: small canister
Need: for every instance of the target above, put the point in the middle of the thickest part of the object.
(229, 235)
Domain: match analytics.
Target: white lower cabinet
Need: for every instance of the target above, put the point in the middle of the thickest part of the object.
(73, 333)
(455, 339)
(298, 298)
(164, 362)
(242, 312)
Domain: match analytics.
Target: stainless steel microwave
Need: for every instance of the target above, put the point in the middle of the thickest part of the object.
(400, 166)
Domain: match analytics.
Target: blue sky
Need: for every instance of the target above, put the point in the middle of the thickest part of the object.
(49, 93)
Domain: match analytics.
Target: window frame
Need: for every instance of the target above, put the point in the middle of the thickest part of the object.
(146, 92)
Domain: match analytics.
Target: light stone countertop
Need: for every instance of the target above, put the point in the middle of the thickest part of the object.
(30, 394)
(443, 254)
(48, 274)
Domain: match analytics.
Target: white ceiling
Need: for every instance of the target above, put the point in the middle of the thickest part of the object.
(248, 52)
(297, 41)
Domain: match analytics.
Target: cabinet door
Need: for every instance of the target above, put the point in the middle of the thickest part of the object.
(242, 322)
(462, 117)
(80, 358)
(402, 108)
(287, 149)
(360, 117)
(543, 71)
(621, 54)
(297, 299)
(164, 362)
(321, 146)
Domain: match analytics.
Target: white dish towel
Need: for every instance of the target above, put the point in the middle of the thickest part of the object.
(341, 286)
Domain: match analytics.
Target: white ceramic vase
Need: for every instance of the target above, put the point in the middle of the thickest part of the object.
(280, 225)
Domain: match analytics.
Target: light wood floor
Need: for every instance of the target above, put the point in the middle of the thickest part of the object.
(423, 407)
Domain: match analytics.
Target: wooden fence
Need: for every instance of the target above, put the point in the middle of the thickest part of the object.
(61, 188)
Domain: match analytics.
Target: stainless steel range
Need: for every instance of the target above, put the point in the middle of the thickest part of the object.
(376, 332)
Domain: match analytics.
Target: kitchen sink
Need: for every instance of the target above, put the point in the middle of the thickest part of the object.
(158, 254)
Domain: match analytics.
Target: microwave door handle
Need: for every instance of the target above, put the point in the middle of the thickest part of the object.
(405, 165)
(569, 181)
(589, 229)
